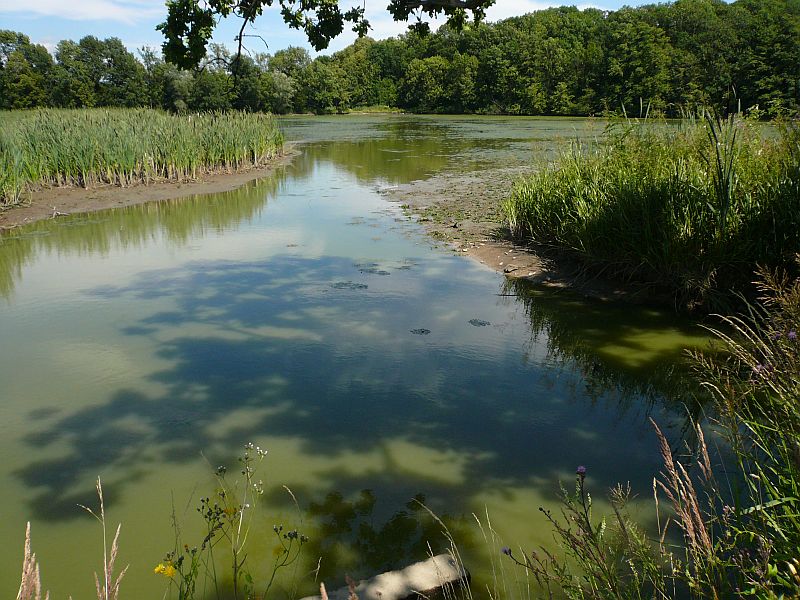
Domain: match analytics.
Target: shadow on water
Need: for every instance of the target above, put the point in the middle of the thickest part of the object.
(279, 342)
(318, 356)
(640, 352)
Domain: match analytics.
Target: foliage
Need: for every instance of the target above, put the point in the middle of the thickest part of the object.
(740, 538)
(615, 559)
(691, 208)
(127, 146)
(190, 25)
(560, 61)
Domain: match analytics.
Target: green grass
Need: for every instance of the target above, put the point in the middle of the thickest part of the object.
(50, 148)
(691, 208)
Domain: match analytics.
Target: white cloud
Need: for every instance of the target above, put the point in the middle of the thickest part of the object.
(503, 9)
(122, 11)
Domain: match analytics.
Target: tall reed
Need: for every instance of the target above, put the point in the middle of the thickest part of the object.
(127, 146)
(691, 208)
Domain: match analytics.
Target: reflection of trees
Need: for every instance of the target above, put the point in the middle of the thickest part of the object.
(599, 340)
(394, 150)
(354, 538)
(391, 160)
(179, 220)
(399, 149)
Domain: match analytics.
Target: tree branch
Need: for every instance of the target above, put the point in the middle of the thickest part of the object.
(425, 4)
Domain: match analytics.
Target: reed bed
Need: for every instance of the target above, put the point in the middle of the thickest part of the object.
(87, 147)
(692, 208)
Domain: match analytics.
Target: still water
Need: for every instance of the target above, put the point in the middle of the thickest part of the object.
(309, 315)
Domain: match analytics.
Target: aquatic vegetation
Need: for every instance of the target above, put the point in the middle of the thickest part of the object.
(60, 147)
(691, 208)
(194, 572)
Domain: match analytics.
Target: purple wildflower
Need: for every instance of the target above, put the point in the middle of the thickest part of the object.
(581, 471)
(505, 550)
(792, 335)
(776, 336)
(763, 370)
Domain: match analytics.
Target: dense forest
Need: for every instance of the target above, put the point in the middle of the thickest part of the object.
(559, 61)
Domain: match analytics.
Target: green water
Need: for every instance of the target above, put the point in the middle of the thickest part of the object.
(147, 345)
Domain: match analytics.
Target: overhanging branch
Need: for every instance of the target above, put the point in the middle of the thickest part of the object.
(426, 4)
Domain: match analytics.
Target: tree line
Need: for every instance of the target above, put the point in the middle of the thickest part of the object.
(560, 61)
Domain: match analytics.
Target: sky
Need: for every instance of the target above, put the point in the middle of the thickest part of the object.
(134, 21)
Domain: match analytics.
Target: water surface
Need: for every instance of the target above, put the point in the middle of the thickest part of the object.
(307, 314)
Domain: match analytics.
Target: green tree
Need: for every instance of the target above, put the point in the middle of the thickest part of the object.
(638, 62)
(72, 84)
(705, 48)
(25, 69)
(461, 81)
(122, 80)
(291, 61)
(424, 86)
(767, 72)
(178, 87)
(323, 87)
(277, 91)
(22, 86)
(211, 90)
(247, 91)
(361, 75)
(190, 23)
(97, 72)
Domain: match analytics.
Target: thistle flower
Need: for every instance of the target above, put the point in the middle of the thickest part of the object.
(581, 471)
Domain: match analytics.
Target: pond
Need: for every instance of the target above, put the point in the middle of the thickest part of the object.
(310, 315)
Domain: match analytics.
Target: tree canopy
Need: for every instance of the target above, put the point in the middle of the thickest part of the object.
(561, 61)
(190, 25)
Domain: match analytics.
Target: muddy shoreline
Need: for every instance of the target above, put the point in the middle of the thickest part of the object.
(50, 203)
(463, 211)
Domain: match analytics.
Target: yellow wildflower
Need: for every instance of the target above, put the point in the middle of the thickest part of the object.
(169, 571)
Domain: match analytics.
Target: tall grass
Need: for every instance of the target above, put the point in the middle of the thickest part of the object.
(126, 146)
(106, 588)
(690, 208)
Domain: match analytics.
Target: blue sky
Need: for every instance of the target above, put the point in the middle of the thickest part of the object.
(134, 21)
